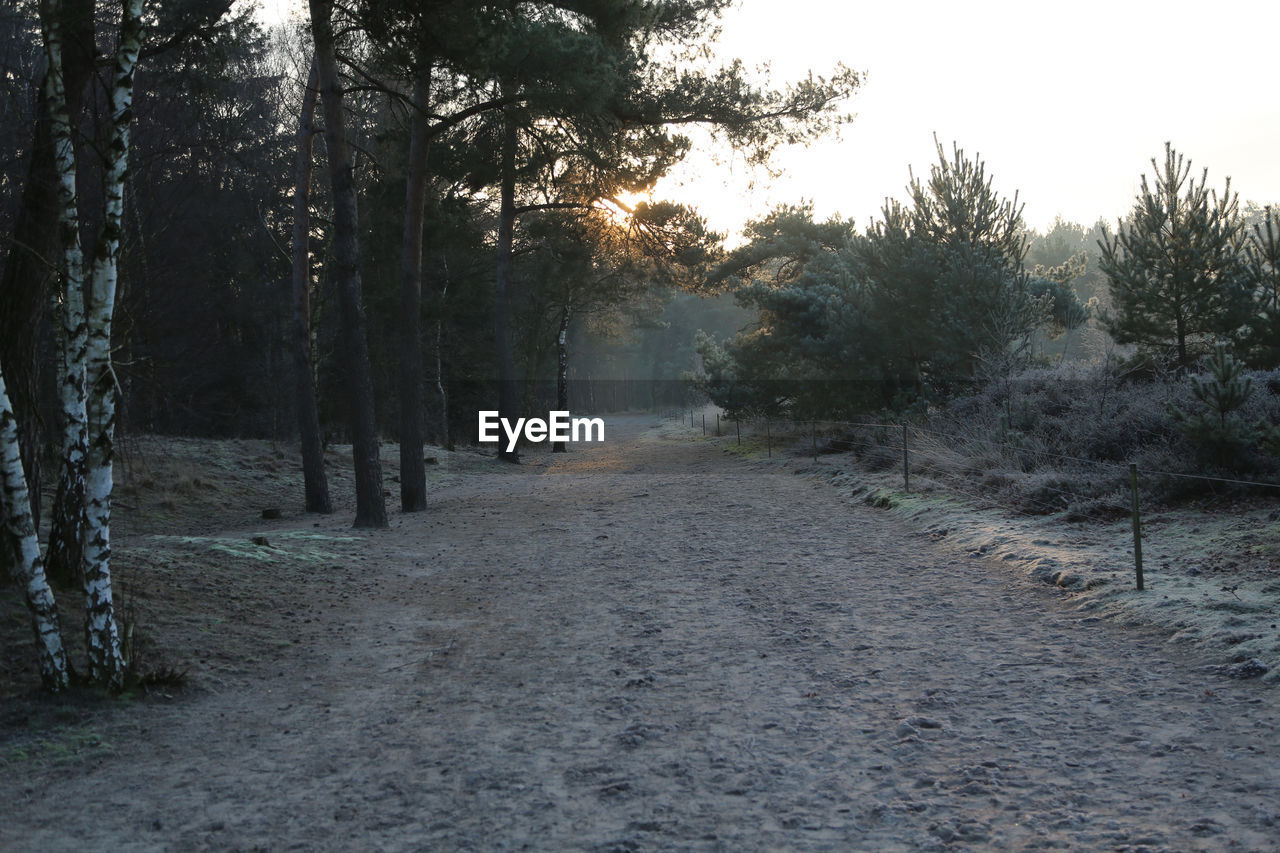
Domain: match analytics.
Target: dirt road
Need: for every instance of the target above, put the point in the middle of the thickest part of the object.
(648, 645)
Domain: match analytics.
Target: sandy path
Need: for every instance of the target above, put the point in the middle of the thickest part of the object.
(651, 646)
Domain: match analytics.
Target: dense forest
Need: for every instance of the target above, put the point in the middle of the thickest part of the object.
(378, 221)
(372, 224)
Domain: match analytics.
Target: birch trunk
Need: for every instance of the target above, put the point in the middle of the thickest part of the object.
(371, 510)
(102, 641)
(507, 389)
(26, 273)
(562, 372)
(413, 472)
(65, 558)
(16, 504)
(315, 484)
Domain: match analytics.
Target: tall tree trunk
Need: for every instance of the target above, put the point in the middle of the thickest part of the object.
(445, 441)
(508, 388)
(64, 566)
(16, 504)
(315, 484)
(102, 640)
(25, 286)
(1180, 329)
(562, 371)
(413, 472)
(371, 510)
(28, 273)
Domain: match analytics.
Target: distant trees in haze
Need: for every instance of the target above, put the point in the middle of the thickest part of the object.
(951, 287)
(921, 300)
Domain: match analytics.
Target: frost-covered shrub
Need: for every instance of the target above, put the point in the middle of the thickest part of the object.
(1051, 438)
(1213, 425)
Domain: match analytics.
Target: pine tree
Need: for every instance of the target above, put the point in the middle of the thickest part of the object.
(371, 508)
(1263, 257)
(315, 483)
(1175, 266)
(951, 265)
(1215, 430)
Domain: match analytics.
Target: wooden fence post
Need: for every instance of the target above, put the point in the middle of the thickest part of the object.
(906, 461)
(1137, 524)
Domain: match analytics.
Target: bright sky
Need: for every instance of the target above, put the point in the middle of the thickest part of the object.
(1066, 102)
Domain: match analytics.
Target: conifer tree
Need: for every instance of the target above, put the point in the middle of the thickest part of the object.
(1175, 267)
(371, 508)
(1218, 434)
(1263, 271)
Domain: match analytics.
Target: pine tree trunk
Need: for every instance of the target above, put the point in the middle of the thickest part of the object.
(1180, 329)
(562, 372)
(102, 640)
(508, 390)
(371, 510)
(445, 441)
(315, 484)
(413, 472)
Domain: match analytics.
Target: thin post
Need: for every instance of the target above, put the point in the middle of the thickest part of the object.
(1137, 524)
(717, 424)
(813, 435)
(704, 423)
(737, 425)
(906, 461)
(768, 439)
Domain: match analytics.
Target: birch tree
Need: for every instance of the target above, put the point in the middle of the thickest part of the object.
(87, 382)
(15, 503)
(29, 269)
(102, 641)
(66, 540)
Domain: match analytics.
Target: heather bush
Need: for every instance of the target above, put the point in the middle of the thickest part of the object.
(1051, 439)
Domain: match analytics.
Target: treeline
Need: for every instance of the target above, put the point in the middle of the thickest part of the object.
(1155, 342)
(950, 290)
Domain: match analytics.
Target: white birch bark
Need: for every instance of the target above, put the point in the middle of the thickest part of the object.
(69, 296)
(16, 503)
(106, 665)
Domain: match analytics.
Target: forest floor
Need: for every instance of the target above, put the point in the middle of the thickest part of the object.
(643, 644)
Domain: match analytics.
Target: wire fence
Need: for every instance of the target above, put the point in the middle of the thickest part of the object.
(919, 448)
